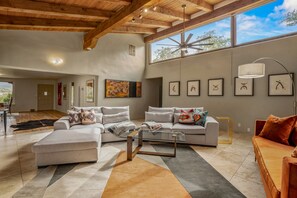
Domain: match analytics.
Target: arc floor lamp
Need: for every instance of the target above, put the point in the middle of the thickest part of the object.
(257, 70)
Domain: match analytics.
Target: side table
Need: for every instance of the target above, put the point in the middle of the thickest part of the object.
(229, 129)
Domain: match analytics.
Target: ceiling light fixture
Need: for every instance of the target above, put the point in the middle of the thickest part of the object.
(140, 16)
(57, 61)
(155, 8)
(146, 10)
(133, 20)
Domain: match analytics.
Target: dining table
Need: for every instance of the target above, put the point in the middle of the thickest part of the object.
(3, 111)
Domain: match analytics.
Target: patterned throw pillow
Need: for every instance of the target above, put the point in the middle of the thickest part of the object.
(88, 117)
(186, 117)
(74, 117)
(200, 117)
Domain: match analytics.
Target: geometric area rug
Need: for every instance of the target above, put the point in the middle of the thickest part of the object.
(187, 175)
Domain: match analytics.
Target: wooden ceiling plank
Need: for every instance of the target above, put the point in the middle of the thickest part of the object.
(121, 17)
(172, 13)
(58, 10)
(219, 13)
(200, 4)
(131, 29)
(150, 23)
(118, 2)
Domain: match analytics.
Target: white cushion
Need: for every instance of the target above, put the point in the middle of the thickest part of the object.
(189, 129)
(178, 109)
(114, 118)
(68, 140)
(158, 117)
(114, 110)
(96, 109)
(96, 125)
(160, 109)
(99, 117)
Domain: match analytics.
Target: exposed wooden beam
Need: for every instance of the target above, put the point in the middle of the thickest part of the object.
(118, 2)
(200, 4)
(172, 13)
(121, 17)
(131, 29)
(219, 13)
(51, 9)
(150, 23)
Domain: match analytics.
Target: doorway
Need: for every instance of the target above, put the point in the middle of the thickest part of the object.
(45, 98)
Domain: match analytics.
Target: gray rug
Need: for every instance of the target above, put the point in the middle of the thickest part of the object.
(196, 175)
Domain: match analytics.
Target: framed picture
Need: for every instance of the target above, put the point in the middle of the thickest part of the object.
(174, 87)
(280, 85)
(122, 89)
(216, 87)
(243, 86)
(64, 92)
(193, 88)
(90, 91)
(59, 93)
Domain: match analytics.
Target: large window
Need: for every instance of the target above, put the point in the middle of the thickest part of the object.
(6, 89)
(268, 21)
(219, 33)
(273, 19)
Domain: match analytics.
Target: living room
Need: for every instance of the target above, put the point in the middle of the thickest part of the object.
(60, 55)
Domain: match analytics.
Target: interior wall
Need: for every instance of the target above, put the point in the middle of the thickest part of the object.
(25, 93)
(223, 64)
(109, 60)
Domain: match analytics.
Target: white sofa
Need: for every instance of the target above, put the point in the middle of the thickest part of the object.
(109, 117)
(194, 134)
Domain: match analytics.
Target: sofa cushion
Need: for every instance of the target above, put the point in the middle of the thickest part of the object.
(99, 117)
(74, 117)
(278, 129)
(165, 126)
(114, 110)
(161, 109)
(68, 140)
(189, 129)
(186, 117)
(270, 155)
(114, 118)
(293, 137)
(88, 117)
(96, 109)
(176, 117)
(178, 109)
(200, 117)
(158, 117)
(96, 125)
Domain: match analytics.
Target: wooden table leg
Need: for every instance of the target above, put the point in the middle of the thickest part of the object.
(129, 148)
(5, 121)
(175, 145)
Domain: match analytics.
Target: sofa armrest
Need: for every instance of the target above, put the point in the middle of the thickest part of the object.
(259, 126)
(289, 178)
(62, 124)
(212, 131)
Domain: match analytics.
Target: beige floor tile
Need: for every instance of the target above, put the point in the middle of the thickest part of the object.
(248, 188)
(10, 185)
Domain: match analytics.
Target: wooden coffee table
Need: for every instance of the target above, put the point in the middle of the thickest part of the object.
(139, 134)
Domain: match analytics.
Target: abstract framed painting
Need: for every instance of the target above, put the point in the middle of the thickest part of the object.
(116, 89)
(216, 87)
(243, 86)
(193, 88)
(90, 90)
(174, 88)
(64, 92)
(280, 85)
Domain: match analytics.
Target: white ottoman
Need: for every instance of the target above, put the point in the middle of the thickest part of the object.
(68, 146)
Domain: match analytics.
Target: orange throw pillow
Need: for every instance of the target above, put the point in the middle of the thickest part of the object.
(278, 129)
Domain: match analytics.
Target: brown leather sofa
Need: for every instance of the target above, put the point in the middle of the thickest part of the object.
(278, 170)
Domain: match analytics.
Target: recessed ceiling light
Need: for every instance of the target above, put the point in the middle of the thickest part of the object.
(145, 10)
(57, 61)
(89, 49)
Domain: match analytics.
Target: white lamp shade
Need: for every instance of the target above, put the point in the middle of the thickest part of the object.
(252, 70)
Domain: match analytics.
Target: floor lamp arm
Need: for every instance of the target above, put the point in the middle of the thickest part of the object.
(291, 77)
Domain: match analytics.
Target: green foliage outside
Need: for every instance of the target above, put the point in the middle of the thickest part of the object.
(218, 42)
(5, 98)
(291, 18)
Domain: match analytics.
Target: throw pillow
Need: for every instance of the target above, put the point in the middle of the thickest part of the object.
(278, 129)
(114, 118)
(163, 117)
(74, 117)
(293, 136)
(186, 117)
(200, 117)
(88, 117)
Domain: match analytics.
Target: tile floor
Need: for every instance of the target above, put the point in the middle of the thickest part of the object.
(234, 161)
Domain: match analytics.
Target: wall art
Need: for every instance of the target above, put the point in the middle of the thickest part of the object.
(243, 86)
(216, 87)
(174, 88)
(90, 91)
(193, 88)
(280, 85)
(122, 89)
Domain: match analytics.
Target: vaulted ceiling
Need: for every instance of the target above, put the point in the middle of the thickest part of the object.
(153, 18)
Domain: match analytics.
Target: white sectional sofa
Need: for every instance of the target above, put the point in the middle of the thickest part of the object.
(194, 134)
(108, 116)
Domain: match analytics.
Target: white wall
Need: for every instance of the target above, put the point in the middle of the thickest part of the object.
(110, 59)
(25, 93)
(224, 64)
